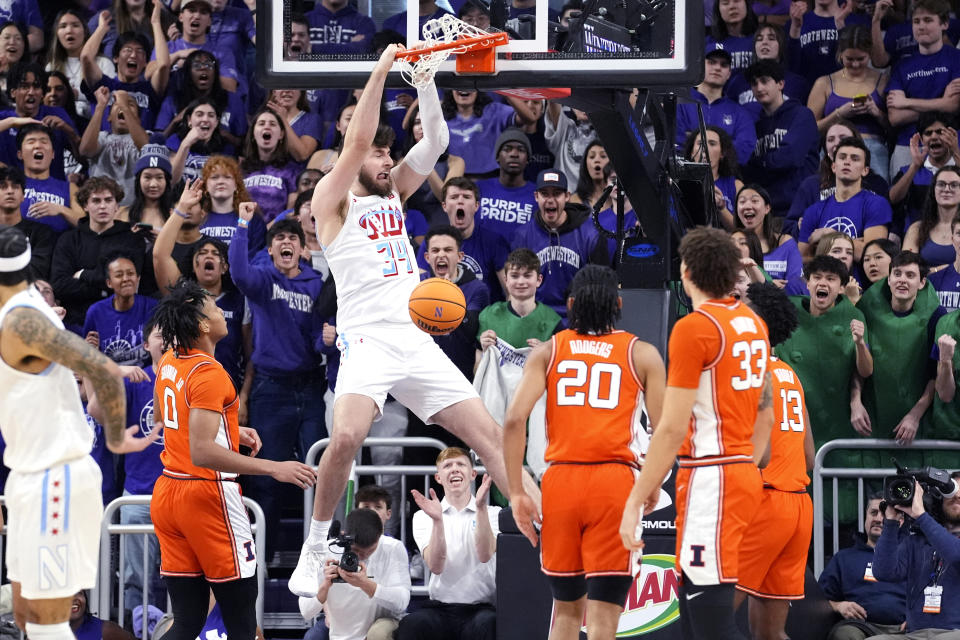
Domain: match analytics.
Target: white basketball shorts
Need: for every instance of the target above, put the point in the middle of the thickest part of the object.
(401, 361)
(53, 539)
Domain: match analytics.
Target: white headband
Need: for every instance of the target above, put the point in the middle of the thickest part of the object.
(16, 263)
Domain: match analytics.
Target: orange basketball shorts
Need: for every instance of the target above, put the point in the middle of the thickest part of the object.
(582, 509)
(715, 503)
(203, 529)
(773, 553)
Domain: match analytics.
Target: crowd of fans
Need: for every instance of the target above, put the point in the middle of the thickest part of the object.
(131, 131)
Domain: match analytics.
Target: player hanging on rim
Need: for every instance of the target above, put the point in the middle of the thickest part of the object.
(359, 218)
(773, 553)
(197, 511)
(53, 493)
(604, 389)
(717, 414)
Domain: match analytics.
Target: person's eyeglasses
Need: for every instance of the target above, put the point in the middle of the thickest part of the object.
(952, 186)
(137, 51)
(202, 64)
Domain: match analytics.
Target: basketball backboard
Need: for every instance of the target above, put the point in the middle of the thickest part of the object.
(614, 43)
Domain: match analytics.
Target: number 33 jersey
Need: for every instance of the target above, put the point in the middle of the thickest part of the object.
(595, 409)
(373, 264)
(722, 351)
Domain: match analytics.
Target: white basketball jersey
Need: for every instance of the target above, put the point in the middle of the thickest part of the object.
(373, 264)
(41, 416)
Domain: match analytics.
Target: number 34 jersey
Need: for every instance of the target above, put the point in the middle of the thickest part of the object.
(722, 351)
(194, 380)
(373, 264)
(595, 408)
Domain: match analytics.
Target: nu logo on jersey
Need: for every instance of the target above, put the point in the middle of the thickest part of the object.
(382, 223)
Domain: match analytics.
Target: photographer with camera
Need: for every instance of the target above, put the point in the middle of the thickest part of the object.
(365, 587)
(927, 559)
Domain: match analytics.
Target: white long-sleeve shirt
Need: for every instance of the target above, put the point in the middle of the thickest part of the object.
(350, 612)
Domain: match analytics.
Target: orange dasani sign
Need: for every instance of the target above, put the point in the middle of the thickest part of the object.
(653, 601)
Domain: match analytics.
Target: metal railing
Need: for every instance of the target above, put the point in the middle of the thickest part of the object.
(427, 471)
(820, 472)
(103, 592)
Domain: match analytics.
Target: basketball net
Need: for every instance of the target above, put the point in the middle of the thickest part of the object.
(446, 36)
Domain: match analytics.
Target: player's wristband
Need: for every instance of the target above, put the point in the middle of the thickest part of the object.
(243, 224)
(180, 213)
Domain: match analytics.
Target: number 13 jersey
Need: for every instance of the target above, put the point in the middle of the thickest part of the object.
(373, 264)
(722, 351)
(595, 408)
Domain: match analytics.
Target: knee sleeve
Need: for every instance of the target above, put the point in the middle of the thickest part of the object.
(567, 588)
(612, 589)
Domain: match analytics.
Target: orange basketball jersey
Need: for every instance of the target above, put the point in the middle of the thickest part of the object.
(194, 381)
(721, 350)
(787, 469)
(595, 410)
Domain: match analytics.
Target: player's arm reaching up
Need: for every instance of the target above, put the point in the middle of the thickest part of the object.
(28, 334)
(330, 192)
(422, 157)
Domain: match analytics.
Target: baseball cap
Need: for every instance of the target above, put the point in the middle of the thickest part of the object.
(154, 156)
(551, 178)
(512, 135)
(714, 50)
(204, 3)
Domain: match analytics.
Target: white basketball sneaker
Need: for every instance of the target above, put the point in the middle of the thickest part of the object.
(305, 579)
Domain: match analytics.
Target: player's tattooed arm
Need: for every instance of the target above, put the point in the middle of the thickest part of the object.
(766, 394)
(39, 338)
(764, 423)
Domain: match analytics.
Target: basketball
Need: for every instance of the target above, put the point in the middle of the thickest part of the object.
(437, 306)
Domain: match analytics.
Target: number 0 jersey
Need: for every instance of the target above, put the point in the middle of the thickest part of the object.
(787, 469)
(595, 409)
(194, 380)
(721, 350)
(373, 264)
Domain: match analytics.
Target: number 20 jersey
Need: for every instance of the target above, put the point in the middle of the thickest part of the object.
(373, 264)
(595, 409)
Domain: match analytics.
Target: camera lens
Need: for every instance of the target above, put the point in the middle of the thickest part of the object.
(901, 491)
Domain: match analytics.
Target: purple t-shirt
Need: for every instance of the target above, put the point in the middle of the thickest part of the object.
(228, 65)
(232, 29)
(271, 186)
(925, 77)
(142, 467)
(814, 54)
(740, 49)
(196, 159)
(48, 190)
(473, 138)
(853, 216)
(308, 124)
(121, 332)
(946, 283)
(223, 226)
(784, 262)
(503, 210)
